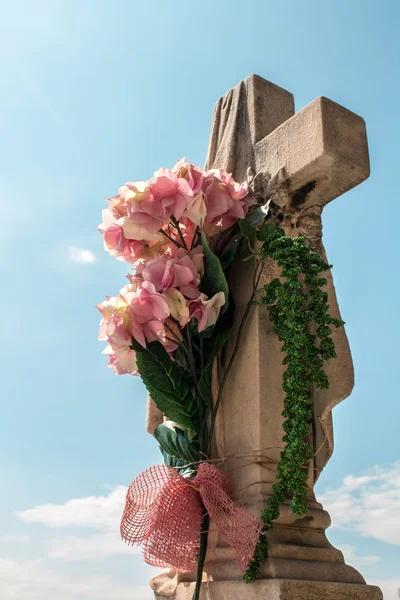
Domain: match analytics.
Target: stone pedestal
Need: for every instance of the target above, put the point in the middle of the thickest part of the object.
(302, 565)
(281, 589)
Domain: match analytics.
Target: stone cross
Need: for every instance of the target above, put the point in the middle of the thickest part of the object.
(298, 162)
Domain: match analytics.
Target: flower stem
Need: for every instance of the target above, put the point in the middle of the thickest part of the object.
(195, 237)
(202, 552)
(203, 444)
(176, 340)
(171, 239)
(176, 225)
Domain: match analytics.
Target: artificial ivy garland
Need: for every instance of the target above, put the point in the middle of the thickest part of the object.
(295, 304)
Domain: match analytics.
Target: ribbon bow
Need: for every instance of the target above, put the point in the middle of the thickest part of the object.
(163, 513)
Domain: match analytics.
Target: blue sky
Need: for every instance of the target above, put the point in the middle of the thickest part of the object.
(94, 93)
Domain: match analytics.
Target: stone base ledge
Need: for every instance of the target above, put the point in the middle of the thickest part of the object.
(278, 589)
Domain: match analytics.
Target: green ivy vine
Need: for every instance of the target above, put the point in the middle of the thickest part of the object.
(298, 308)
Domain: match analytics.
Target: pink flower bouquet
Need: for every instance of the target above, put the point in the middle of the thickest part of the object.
(169, 323)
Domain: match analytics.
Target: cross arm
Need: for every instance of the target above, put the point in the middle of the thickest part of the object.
(323, 149)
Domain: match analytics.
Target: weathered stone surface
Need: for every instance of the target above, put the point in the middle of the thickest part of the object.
(324, 143)
(253, 127)
(243, 117)
(280, 589)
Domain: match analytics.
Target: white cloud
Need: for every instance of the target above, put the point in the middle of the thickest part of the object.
(80, 255)
(31, 580)
(354, 483)
(390, 587)
(369, 504)
(351, 557)
(92, 547)
(15, 539)
(99, 512)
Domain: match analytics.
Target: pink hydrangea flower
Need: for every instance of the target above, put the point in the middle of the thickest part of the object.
(121, 358)
(154, 331)
(193, 174)
(138, 312)
(196, 210)
(141, 227)
(237, 191)
(123, 361)
(183, 270)
(178, 306)
(206, 310)
(218, 200)
(172, 193)
(119, 331)
(166, 272)
(137, 212)
(117, 327)
(148, 305)
(225, 201)
(189, 230)
(122, 248)
(117, 204)
(137, 216)
(173, 332)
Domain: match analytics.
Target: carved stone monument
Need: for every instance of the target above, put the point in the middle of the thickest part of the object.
(298, 162)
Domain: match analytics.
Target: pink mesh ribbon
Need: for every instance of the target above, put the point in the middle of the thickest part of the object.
(163, 514)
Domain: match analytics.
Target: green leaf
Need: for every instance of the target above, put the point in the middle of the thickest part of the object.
(205, 381)
(180, 466)
(167, 385)
(174, 441)
(204, 386)
(229, 254)
(255, 215)
(211, 347)
(171, 461)
(249, 232)
(268, 230)
(230, 251)
(213, 280)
